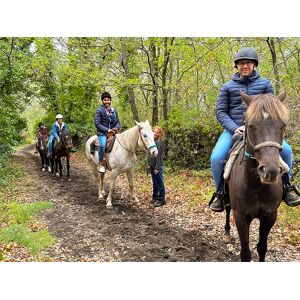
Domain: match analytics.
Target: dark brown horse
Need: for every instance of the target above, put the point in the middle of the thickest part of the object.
(255, 186)
(62, 149)
(41, 146)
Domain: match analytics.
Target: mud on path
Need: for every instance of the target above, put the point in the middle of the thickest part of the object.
(86, 231)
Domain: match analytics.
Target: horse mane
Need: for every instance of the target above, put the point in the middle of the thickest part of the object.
(267, 103)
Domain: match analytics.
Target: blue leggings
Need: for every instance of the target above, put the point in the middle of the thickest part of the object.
(222, 147)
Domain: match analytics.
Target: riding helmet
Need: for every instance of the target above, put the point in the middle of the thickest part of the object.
(246, 53)
(59, 116)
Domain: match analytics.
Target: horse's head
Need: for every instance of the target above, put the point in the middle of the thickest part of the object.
(265, 122)
(42, 142)
(66, 140)
(146, 138)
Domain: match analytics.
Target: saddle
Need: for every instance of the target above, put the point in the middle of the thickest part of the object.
(108, 147)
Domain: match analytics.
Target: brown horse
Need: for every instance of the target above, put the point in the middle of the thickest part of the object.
(62, 149)
(255, 186)
(41, 146)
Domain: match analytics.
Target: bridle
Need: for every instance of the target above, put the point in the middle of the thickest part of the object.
(143, 142)
(246, 138)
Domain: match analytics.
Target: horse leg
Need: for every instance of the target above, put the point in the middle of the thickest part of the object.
(265, 227)
(100, 181)
(226, 237)
(47, 162)
(242, 225)
(56, 166)
(130, 181)
(60, 167)
(68, 165)
(112, 183)
(43, 161)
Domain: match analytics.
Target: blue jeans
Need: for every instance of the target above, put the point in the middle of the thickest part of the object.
(102, 142)
(222, 147)
(50, 145)
(158, 191)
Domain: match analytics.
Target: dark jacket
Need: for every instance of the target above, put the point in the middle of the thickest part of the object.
(157, 162)
(103, 122)
(56, 129)
(230, 107)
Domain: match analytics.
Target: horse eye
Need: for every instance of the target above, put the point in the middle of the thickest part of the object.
(251, 126)
(144, 134)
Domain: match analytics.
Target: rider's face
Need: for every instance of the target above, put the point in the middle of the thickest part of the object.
(59, 121)
(156, 134)
(245, 67)
(106, 102)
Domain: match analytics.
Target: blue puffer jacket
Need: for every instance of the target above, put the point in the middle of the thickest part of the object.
(230, 107)
(103, 122)
(55, 129)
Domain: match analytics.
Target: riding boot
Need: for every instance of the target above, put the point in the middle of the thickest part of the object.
(159, 202)
(217, 201)
(154, 198)
(289, 198)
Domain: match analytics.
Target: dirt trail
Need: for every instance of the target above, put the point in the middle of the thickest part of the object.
(86, 231)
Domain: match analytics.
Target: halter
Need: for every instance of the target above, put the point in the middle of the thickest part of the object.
(144, 144)
(259, 146)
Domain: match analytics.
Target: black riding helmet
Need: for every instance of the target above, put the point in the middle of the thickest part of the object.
(246, 53)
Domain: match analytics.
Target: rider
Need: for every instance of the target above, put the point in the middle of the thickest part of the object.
(230, 114)
(106, 121)
(58, 128)
(41, 132)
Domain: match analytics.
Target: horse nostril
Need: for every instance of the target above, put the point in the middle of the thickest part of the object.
(261, 170)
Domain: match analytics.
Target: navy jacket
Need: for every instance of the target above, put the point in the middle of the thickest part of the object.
(230, 106)
(103, 122)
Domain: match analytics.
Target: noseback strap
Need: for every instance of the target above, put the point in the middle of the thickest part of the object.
(267, 144)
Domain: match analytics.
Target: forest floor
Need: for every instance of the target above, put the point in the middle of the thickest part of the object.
(85, 230)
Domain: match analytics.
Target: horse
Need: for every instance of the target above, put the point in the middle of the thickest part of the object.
(255, 184)
(41, 146)
(62, 149)
(122, 157)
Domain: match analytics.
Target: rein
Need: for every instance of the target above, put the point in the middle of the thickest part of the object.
(257, 147)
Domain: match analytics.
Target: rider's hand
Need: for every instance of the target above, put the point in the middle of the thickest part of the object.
(115, 129)
(109, 130)
(240, 129)
(156, 171)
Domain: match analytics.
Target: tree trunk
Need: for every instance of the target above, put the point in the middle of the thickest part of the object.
(165, 91)
(271, 45)
(129, 89)
(154, 76)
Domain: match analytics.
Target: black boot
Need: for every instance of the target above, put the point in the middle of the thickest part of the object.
(289, 198)
(159, 202)
(154, 198)
(216, 202)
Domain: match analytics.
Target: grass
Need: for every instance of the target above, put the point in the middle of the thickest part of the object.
(17, 220)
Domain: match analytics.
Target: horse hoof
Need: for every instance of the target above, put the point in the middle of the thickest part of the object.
(57, 174)
(43, 170)
(49, 170)
(69, 179)
(135, 199)
(226, 238)
(109, 206)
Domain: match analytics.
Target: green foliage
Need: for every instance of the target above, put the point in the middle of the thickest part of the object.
(22, 213)
(33, 241)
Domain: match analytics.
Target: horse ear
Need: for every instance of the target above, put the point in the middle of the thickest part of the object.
(246, 98)
(282, 96)
(137, 123)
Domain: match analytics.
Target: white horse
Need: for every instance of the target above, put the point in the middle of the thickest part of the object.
(122, 158)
